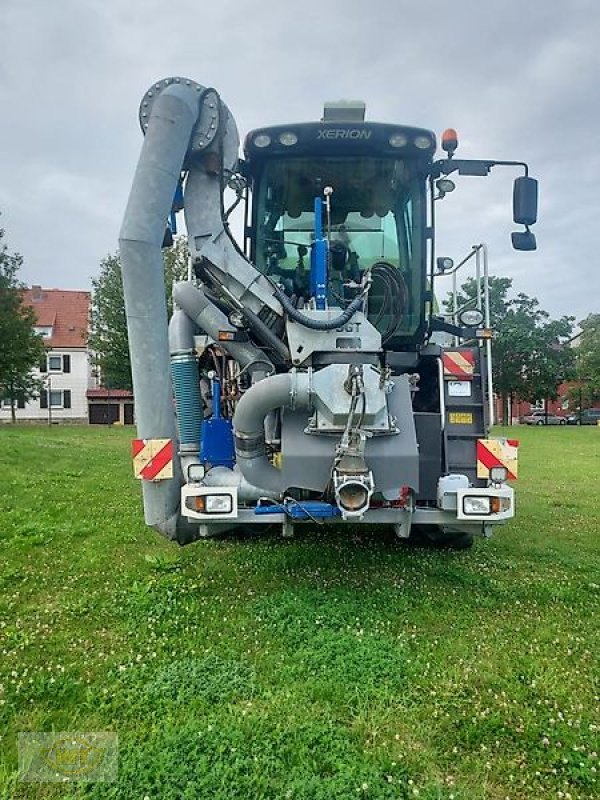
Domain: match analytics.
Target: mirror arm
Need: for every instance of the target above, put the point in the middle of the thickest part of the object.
(471, 166)
(439, 324)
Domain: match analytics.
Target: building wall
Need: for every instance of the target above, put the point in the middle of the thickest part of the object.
(520, 408)
(78, 380)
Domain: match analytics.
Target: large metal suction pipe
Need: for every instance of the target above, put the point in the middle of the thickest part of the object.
(223, 476)
(212, 320)
(170, 124)
(288, 390)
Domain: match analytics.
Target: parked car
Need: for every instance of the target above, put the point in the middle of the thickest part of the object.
(591, 416)
(541, 418)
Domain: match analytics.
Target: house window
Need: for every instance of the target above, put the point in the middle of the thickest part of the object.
(45, 331)
(19, 402)
(56, 398)
(59, 363)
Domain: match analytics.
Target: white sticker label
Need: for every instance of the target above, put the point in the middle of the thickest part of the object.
(459, 388)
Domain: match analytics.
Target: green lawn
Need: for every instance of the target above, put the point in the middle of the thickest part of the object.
(336, 665)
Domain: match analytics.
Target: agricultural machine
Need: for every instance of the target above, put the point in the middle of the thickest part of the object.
(306, 376)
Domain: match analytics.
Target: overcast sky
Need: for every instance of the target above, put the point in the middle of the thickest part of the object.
(518, 80)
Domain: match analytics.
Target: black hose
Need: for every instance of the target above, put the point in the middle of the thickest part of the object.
(395, 299)
(316, 324)
(265, 334)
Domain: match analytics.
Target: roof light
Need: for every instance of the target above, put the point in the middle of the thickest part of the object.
(261, 140)
(398, 139)
(422, 142)
(288, 138)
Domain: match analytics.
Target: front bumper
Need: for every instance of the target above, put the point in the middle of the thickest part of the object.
(402, 518)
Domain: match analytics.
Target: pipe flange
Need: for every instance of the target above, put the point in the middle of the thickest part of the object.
(208, 117)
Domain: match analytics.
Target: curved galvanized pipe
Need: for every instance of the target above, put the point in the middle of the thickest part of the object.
(170, 125)
(212, 320)
(288, 390)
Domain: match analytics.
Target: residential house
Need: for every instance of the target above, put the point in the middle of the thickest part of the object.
(62, 320)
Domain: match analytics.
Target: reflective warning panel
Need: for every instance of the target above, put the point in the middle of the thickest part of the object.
(497, 453)
(458, 364)
(152, 459)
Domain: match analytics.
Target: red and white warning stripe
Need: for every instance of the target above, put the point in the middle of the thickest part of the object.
(497, 453)
(458, 364)
(152, 459)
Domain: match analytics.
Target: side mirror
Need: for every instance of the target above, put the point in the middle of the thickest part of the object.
(523, 240)
(525, 201)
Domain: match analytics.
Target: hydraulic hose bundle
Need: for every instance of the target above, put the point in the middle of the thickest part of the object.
(394, 301)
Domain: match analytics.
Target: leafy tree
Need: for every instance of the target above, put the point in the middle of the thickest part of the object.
(530, 355)
(587, 363)
(108, 325)
(20, 347)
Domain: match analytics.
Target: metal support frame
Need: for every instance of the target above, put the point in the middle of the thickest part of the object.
(482, 301)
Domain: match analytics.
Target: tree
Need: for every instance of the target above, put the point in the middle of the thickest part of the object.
(530, 355)
(108, 325)
(587, 362)
(20, 347)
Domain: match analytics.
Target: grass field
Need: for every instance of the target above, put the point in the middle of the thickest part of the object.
(336, 665)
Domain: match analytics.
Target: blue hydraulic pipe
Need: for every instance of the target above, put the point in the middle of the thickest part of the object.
(216, 398)
(318, 260)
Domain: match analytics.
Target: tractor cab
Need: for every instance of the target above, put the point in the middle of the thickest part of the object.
(370, 181)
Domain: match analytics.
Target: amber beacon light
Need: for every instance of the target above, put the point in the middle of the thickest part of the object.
(449, 141)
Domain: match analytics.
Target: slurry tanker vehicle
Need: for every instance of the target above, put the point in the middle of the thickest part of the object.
(305, 377)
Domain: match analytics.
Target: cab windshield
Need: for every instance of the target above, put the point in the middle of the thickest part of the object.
(377, 215)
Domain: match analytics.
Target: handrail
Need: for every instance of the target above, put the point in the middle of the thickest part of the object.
(482, 302)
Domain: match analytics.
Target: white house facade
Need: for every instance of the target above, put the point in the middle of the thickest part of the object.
(62, 320)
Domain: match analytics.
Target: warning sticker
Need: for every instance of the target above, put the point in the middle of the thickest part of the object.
(459, 388)
(497, 453)
(458, 364)
(460, 418)
(152, 459)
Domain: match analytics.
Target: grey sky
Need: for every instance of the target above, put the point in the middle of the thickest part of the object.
(518, 80)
